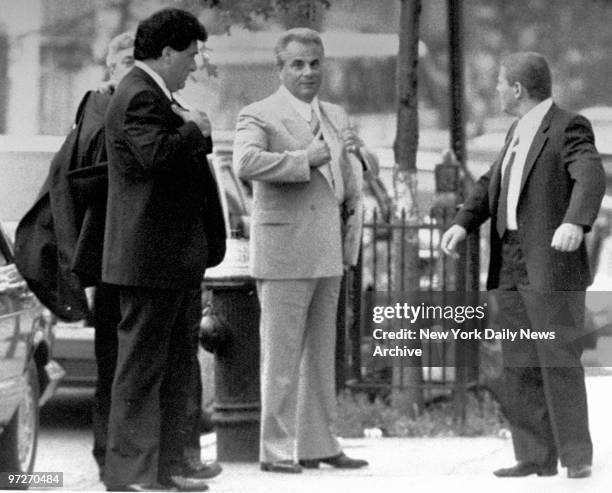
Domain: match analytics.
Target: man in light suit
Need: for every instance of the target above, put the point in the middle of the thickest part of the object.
(297, 151)
(542, 195)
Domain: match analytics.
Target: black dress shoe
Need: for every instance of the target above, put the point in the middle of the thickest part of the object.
(195, 468)
(141, 487)
(286, 466)
(183, 483)
(577, 472)
(340, 461)
(525, 469)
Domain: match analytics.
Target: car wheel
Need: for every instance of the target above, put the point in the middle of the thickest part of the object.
(20, 438)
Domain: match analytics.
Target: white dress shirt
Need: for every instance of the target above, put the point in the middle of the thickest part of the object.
(306, 110)
(525, 130)
(303, 108)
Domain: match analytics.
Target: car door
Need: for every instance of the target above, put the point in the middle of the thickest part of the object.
(14, 334)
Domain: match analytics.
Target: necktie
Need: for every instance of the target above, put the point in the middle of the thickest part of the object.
(502, 207)
(325, 170)
(315, 124)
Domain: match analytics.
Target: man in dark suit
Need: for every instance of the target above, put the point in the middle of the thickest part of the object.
(164, 226)
(542, 195)
(59, 249)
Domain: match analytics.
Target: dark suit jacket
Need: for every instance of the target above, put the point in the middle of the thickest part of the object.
(61, 235)
(164, 223)
(563, 182)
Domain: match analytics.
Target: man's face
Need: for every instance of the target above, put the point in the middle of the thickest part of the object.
(179, 64)
(301, 71)
(123, 61)
(507, 93)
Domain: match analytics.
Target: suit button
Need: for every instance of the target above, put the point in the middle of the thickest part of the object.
(312, 207)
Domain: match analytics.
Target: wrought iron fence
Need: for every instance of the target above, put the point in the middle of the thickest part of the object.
(401, 256)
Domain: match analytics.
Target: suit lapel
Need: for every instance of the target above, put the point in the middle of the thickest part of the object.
(164, 102)
(141, 74)
(539, 140)
(296, 126)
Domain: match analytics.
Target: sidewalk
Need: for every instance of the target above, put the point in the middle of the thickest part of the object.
(408, 465)
(431, 464)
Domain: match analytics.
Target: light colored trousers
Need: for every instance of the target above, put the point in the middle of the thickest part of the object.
(298, 340)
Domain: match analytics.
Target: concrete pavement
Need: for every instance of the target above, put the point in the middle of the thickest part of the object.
(396, 464)
(432, 464)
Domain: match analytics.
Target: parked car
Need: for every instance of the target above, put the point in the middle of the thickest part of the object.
(28, 374)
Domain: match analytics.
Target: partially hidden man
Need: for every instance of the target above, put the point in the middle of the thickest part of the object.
(542, 195)
(164, 226)
(59, 240)
(297, 151)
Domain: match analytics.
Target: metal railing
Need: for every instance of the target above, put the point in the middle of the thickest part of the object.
(402, 259)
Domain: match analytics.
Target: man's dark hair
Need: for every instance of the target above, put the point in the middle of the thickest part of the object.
(169, 27)
(532, 71)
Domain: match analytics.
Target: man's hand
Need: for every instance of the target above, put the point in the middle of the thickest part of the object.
(200, 118)
(451, 238)
(352, 142)
(318, 151)
(10, 279)
(567, 237)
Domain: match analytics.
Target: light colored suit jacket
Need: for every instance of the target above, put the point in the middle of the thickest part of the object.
(296, 230)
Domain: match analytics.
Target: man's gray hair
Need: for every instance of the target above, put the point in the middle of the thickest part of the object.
(302, 35)
(120, 42)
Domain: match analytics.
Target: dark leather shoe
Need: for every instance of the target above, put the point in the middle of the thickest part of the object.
(203, 471)
(577, 472)
(525, 469)
(286, 466)
(183, 483)
(340, 461)
(141, 487)
(195, 468)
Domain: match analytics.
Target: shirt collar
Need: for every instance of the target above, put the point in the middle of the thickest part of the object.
(303, 108)
(155, 76)
(533, 118)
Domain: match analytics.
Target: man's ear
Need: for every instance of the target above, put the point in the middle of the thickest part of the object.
(518, 89)
(166, 54)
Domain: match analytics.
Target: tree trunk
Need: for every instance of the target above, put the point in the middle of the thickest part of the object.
(405, 240)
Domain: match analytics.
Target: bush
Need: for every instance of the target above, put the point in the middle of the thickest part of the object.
(357, 412)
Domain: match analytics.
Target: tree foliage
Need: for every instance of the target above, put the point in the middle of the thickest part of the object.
(246, 13)
(575, 36)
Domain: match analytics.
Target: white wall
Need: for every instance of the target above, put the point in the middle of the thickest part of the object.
(22, 21)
